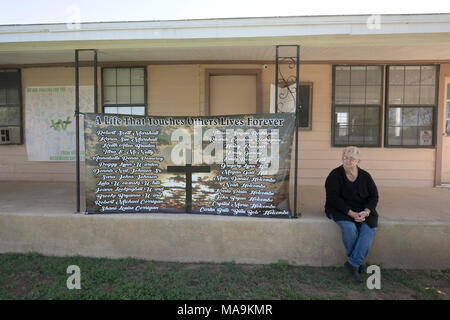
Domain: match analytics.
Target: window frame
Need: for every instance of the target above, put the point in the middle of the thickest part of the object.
(145, 105)
(334, 105)
(21, 111)
(434, 107)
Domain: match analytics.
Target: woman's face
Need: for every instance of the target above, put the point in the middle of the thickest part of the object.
(349, 161)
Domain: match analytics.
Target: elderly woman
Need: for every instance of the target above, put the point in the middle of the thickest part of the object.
(351, 200)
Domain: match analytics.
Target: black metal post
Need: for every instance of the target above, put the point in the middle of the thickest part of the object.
(77, 114)
(95, 82)
(278, 71)
(276, 80)
(77, 124)
(297, 101)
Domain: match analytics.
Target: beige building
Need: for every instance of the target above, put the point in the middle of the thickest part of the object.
(377, 82)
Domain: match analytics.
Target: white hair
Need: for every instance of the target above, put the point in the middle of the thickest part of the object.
(352, 150)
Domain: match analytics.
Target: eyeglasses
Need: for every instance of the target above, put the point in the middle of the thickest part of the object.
(349, 159)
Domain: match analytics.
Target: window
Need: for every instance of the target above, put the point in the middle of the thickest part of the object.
(306, 104)
(411, 103)
(10, 107)
(357, 100)
(124, 90)
(286, 102)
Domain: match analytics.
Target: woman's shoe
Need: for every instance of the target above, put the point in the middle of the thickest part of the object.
(354, 272)
(362, 269)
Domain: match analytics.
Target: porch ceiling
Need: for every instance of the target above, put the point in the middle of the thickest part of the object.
(140, 54)
(262, 53)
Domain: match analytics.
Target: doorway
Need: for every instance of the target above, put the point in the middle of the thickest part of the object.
(233, 92)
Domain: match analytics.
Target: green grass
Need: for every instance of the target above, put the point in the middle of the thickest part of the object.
(34, 276)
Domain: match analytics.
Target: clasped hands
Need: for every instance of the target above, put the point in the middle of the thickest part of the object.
(359, 216)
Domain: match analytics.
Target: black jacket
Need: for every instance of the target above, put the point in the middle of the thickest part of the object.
(341, 195)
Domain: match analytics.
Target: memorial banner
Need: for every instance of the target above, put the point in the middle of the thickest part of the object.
(226, 165)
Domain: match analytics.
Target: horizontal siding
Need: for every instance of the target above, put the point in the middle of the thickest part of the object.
(370, 165)
(176, 114)
(410, 183)
(180, 90)
(174, 90)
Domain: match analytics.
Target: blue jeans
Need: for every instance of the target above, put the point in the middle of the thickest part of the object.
(357, 240)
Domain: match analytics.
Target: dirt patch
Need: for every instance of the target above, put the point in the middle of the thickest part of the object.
(192, 266)
(19, 285)
(356, 295)
(320, 293)
(193, 283)
(136, 272)
(110, 289)
(249, 267)
(18, 288)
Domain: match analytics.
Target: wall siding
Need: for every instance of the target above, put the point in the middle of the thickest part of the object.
(180, 90)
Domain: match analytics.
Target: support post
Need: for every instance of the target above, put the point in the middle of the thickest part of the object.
(95, 82)
(297, 110)
(289, 61)
(77, 125)
(77, 116)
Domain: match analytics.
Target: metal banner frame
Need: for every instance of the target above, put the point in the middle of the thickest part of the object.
(291, 61)
(288, 62)
(77, 114)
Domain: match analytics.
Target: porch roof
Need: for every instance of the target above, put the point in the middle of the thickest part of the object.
(323, 38)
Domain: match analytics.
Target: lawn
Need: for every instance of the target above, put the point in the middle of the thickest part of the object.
(33, 276)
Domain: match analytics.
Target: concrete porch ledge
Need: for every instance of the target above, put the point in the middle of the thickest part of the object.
(310, 240)
(188, 238)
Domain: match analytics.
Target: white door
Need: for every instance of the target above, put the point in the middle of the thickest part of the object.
(445, 178)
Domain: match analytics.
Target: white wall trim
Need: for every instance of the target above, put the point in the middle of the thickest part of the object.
(230, 28)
